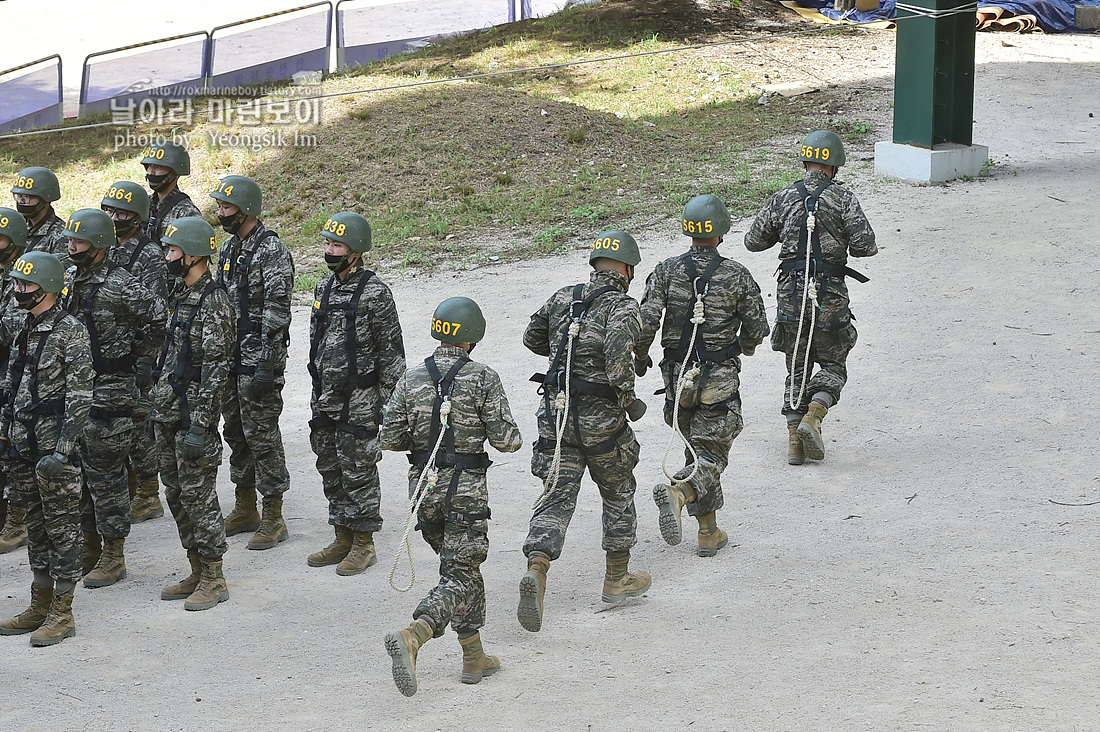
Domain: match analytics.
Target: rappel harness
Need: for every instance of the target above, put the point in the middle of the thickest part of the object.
(143, 241)
(102, 364)
(441, 455)
(163, 209)
(243, 260)
(354, 379)
(185, 371)
(33, 240)
(29, 417)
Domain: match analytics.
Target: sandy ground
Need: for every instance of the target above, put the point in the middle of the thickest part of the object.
(919, 578)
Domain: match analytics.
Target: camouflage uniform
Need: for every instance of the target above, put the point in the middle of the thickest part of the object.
(259, 271)
(454, 517)
(208, 337)
(47, 236)
(843, 230)
(597, 435)
(125, 321)
(176, 205)
(710, 409)
(49, 382)
(346, 415)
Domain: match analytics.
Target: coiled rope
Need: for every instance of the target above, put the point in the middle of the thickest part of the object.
(561, 407)
(809, 293)
(685, 379)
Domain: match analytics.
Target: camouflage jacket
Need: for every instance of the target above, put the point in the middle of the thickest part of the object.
(176, 205)
(842, 227)
(49, 385)
(125, 321)
(144, 259)
(262, 331)
(11, 322)
(47, 237)
(479, 408)
(210, 342)
(377, 347)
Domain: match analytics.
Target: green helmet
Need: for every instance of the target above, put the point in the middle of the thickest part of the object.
(13, 226)
(191, 234)
(41, 268)
(822, 147)
(458, 320)
(39, 182)
(171, 155)
(617, 245)
(705, 217)
(127, 196)
(348, 228)
(91, 225)
(240, 191)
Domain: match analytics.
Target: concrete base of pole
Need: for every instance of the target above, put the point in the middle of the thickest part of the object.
(926, 166)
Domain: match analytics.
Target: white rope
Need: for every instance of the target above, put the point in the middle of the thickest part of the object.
(809, 292)
(561, 406)
(967, 9)
(685, 378)
(424, 486)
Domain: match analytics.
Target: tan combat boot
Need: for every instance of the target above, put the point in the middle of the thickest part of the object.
(111, 566)
(402, 647)
(212, 587)
(244, 516)
(59, 624)
(711, 538)
(14, 533)
(334, 552)
(93, 550)
(361, 555)
(532, 588)
(618, 583)
(795, 455)
(670, 500)
(183, 589)
(272, 528)
(475, 663)
(809, 431)
(146, 505)
(30, 619)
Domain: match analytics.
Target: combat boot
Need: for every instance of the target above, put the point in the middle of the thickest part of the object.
(132, 484)
(809, 431)
(59, 624)
(475, 663)
(3, 509)
(30, 619)
(93, 550)
(212, 587)
(334, 552)
(670, 500)
(711, 538)
(402, 647)
(272, 528)
(147, 504)
(14, 533)
(361, 555)
(244, 516)
(111, 566)
(183, 589)
(618, 583)
(795, 454)
(532, 588)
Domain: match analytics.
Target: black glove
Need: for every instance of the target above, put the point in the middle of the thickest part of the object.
(143, 372)
(52, 467)
(641, 367)
(193, 443)
(748, 351)
(263, 380)
(635, 410)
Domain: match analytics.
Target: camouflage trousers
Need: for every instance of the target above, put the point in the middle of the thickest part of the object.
(256, 459)
(348, 465)
(613, 472)
(105, 500)
(711, 430)
(55, 543)
(455, 525)
(143, 459)
(190, 488)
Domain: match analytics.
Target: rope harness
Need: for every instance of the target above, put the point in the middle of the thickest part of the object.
(185, 371)
(234, 263)
(54, 408)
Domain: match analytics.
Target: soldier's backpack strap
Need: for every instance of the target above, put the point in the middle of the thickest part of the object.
(821, 266)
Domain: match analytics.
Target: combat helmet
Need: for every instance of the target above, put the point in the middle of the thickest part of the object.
(169, 154)
(93, 226)
(39, 182)
(348, 228)
(617, 245)
(127, 196)
(458, 320)
(241, 192)
(13, 226)
(824, 147)
(41, 268)
(705, 217)
(192, 235)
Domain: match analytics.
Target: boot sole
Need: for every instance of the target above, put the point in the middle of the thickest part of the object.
(351, 572)
(38, 642)
(104, 583)
(166, 596)
(147, 516)
(19, 631)
(672, 529)
(269, 544)
(795, 459)
(529, 613)
(711, 551)
(616, 599)
(812, 444)
(469, 678)
(317, 563)
(242, 529)
(6, 549)
(206, 605)
(403, 675)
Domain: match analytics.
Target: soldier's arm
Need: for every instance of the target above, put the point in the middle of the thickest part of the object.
(500, 426)
(537, 335)
(385, 328)
(754, 319)
(765, 229)
(624, 324)
(861, 238)
(152, 315)
(154, 272)
(277, 270)
(653, 304)
(76, 355)
(395, 434)
(217, 349)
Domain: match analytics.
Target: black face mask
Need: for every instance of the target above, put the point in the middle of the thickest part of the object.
(125, 226)
(231, 224)
(27, 300)
(337, 262)
(177, 269)
(30, 210)
(83, 259)
(159, 182)
(9, 253)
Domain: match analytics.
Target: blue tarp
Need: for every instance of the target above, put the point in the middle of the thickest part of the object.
(1054, 16)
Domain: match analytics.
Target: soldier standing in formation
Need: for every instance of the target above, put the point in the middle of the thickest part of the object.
(164, 163)
(588, 331)
(13, 241)
(442, 412)
(191, 374)
(356, 356)
(707, 300)
(49, 384)
(818, 224)
(257, 272)
(35, 191)
(125, 323)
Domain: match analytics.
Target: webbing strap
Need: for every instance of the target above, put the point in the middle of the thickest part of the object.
(22, 363)
(100, 363)
(821, 266)
(184, 372)
(142, 242)
(444, 385)
(351, 343)
(700, 285)
(163, 208)
(240, 269)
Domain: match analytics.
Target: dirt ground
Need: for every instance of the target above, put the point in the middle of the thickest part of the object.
(919, 578)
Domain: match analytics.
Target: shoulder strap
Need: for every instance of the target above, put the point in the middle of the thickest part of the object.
(351, 340)
(165, 206)
(319, 317)
(809, 203)
(142, 242)
(700, 285)
(244, 318)
(444, 386)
